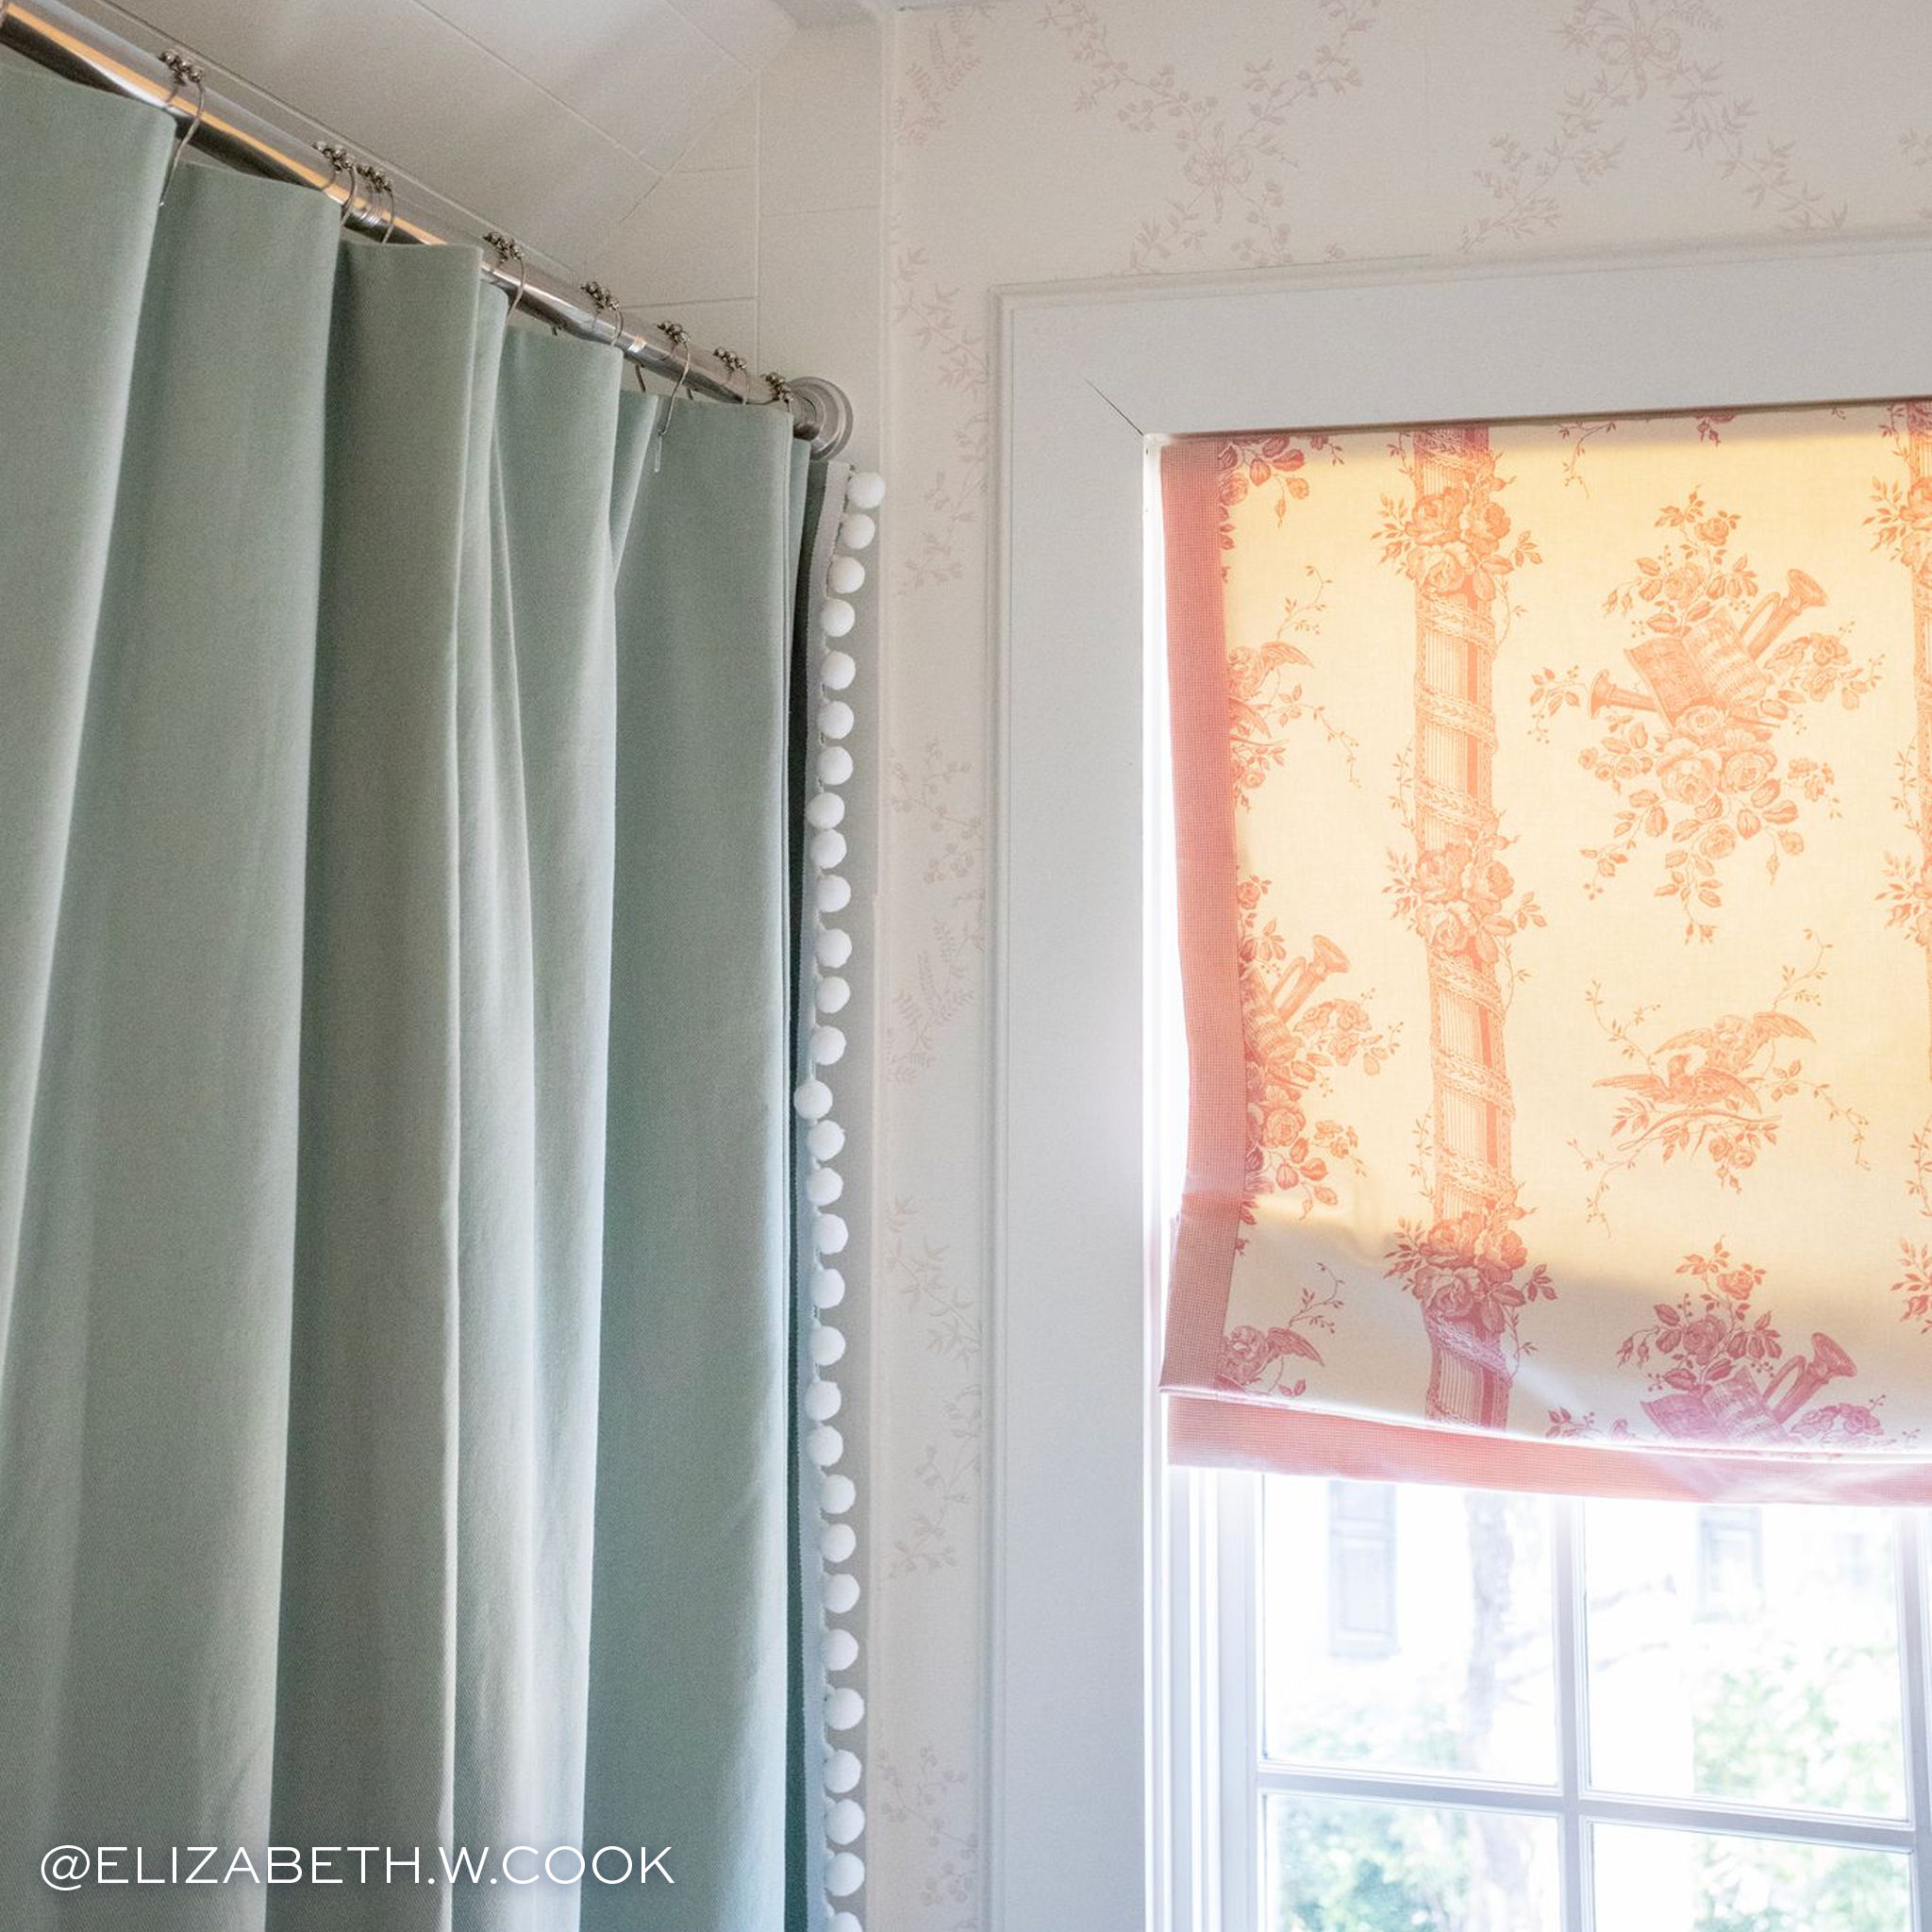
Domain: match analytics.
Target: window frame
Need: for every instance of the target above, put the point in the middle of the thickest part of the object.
(1230, 1727)
(1092, 1815)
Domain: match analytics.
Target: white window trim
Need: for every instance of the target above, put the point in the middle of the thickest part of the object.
(1079, 1832)
(1220, 1555)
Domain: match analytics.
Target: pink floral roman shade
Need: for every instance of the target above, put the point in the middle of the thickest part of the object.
(1555, 817)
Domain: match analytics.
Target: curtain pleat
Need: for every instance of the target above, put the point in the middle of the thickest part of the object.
(393, 1001)
(689, 1649)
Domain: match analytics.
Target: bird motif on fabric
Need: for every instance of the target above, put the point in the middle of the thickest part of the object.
(1709, 1069)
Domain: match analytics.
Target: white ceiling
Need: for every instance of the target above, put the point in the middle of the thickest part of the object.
(553, 120)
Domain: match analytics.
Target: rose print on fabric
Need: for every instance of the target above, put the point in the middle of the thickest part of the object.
(1712, 1092)
(1588, 1074)
(1294, 1044)
(1451, 540)
(1460, 897)
(1721, 1374)
(1693, 749)
(1467, 1264)
(1274, 466)
(1472, 1273)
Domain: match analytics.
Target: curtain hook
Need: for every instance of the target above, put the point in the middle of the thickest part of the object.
(507, 252)
(186, 74)
(736, 364)
(781, 389)
(604, 303)
(679, 337)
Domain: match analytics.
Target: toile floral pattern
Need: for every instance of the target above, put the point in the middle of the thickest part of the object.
(1588, 1086)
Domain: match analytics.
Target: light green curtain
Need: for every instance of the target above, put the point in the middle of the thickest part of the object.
(393, 985)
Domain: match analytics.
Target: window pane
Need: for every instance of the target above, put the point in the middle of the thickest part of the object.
(1407, 1627)
(1334, 1865)
(1686, 1881)
(1745, 1653)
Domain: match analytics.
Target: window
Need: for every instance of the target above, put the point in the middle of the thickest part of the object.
(1574, 1716)
(1091, 1819)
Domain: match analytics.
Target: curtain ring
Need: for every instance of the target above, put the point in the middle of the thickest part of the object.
(735, 365)
(341, 163)
(382, 194)
(507, 252)
(186, 74)
(781, 389)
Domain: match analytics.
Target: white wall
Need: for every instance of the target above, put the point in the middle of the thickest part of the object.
(554, 124)
(767, 234)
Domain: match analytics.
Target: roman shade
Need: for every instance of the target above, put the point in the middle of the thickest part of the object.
(1554, 817)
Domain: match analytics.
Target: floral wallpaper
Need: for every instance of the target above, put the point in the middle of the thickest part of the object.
(1036, 140)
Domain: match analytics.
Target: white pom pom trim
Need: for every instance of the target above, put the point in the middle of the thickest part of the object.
(824, 1045)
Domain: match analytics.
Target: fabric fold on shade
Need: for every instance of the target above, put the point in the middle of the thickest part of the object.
(1551, 806)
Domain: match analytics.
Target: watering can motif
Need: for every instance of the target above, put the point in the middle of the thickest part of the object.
(1737, 1410)
(1715, 664)
(1273, 1023)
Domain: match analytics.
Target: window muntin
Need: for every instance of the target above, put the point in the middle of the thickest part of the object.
(1557, 1737)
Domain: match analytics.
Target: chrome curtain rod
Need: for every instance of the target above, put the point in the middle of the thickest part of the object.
(82, 52)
